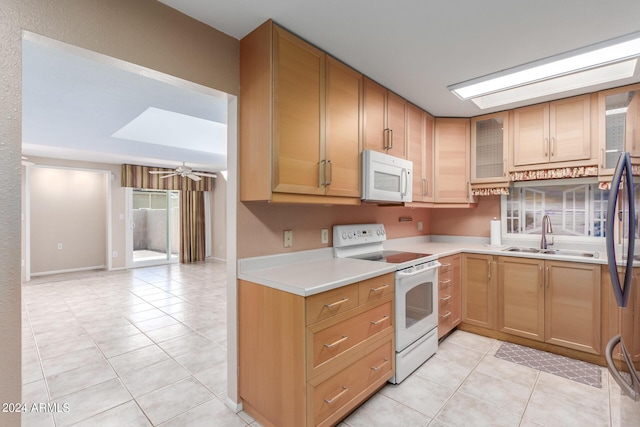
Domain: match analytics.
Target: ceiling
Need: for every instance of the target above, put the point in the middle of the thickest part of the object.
(79, 105)
(75, 101)
(418, 48)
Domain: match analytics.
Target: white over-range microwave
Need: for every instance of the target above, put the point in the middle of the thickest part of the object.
(386, 178)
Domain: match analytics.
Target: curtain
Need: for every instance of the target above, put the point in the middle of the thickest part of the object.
(137, 176)
(192, 226)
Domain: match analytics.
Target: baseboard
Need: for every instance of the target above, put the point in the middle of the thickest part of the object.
(70, 270)
(234, 406)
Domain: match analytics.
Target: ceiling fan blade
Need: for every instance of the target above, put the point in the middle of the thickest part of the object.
(156, 172)
(167, 176)
(210, 175)
(194, 177)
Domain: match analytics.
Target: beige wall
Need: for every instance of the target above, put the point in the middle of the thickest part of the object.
(261, 225)
(144, 32)
(68, 208)
(219, 218)
(466, 222)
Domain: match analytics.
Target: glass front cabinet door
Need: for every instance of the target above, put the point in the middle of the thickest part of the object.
(618, 125)
(489, 148)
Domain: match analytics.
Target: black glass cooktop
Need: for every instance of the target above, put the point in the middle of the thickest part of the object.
(391, 257)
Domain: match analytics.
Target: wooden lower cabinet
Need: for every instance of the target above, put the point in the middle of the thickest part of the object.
(449, 294)
(555, 302)
(478, 290)
(310, 361)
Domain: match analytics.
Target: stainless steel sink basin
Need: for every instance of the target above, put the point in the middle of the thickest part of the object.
(569, 252)
(520, 249)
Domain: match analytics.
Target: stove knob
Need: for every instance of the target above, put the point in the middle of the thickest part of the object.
(344, 235)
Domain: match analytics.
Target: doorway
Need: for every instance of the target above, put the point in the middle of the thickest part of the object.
(154, 224)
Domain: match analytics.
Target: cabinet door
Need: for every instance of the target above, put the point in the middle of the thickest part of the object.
(478, 290)
(397, 123)
(343, 85)
(572, 305)
(456, 291)
(416, 150)
(570, 129)
(429, 152)
(298, 107)
(531, 135)
(489, 145)
(521, 297)
(374, 116)
(452, 161)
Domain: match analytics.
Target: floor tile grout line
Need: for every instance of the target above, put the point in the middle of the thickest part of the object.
(533, 388)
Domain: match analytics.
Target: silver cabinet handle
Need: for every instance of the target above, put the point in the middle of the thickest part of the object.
(377, 322)
(427, 182)
(322, 167)
(379, 288)
(553, 146)
(540, 277)
(504, 171)
(447, 298)
(390, 139)
(385, 139)
(377, 368)
(333, 304)
(488, 270)
(546, 147)
(447, 314)
(335, 343)
(444, 282)
(337, 396)
(602, 157)
(330, 180)
(547, 277)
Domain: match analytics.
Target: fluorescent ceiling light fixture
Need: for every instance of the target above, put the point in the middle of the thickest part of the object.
(580, 60)
(163, 127)
(615, 111)
(560, 84)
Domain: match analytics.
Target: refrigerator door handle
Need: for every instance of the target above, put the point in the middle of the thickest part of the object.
(608, 354)
(621, 291)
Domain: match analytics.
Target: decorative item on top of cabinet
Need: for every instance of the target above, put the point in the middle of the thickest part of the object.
(451, 164)
(449, 294)
(300, 121)
(489, 148)
(479, 290)
(385, 115)
(618, 126)
(552, 132)
(556, 302)
(420, 152)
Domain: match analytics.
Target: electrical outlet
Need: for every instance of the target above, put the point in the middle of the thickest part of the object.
(59, 246)
(324, 235)
(419, 225)
(288, 238)
(115, 254)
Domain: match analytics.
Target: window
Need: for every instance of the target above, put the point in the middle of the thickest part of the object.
(574, 209)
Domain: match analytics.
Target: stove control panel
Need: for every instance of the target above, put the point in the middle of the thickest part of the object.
(351, 235)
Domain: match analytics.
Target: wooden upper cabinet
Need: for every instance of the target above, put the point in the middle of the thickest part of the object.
(300, 122)
(618, 126)
(489, 148)
(451, 164)
(420, 152)
(384, 120)
(343, 129)
(557, 131)
(298, 102)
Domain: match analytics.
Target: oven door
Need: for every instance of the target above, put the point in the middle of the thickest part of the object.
(416, 304)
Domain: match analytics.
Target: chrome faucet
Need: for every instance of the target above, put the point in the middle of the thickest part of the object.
(546, 228)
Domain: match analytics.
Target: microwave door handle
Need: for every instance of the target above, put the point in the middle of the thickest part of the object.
(404, 183)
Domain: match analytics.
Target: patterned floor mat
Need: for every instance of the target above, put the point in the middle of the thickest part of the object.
(576, 370)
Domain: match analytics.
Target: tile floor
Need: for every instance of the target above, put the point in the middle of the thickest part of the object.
(148, 347)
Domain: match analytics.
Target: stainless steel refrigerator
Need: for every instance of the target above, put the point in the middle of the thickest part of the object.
(623, 350)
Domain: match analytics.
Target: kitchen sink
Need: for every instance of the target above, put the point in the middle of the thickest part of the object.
(520, 249)
(559, 252)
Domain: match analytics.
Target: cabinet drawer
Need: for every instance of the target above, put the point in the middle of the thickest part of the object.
(445, 300)
(375, 288)
(340, 337)
(445, 265)
(444, 322)
(340, 393)
(328, 304)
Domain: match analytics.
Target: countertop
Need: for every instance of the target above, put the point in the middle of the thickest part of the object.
(307, 273)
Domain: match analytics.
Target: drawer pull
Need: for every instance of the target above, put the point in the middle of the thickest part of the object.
(337, 396)
(443, 266)
(333, 344)
(447, 298)
(447, 314)
(379, 288)
(377, 368)
(377, 322)
(444, 282)
(334, 304)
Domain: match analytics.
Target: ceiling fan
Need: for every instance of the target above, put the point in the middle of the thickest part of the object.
(184, 171)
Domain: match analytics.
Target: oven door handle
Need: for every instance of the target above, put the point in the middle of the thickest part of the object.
(403, 273)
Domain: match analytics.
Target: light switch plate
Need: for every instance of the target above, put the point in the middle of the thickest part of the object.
(325, 235)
